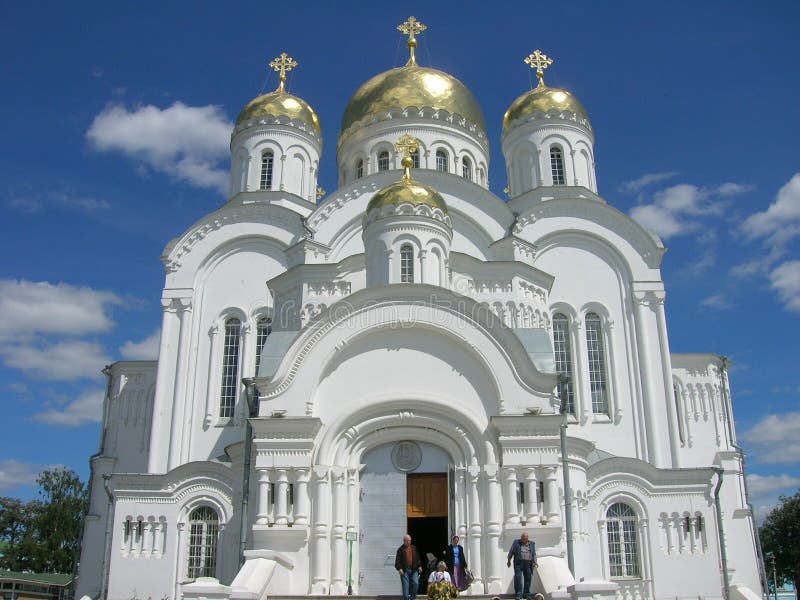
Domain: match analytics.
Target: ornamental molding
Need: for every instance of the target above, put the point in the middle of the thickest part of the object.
(413, 112)
(337, 201)
(329, 288)
(258, 214)
(419, 227)
(407, 209)
(267, 120)
(554, 116)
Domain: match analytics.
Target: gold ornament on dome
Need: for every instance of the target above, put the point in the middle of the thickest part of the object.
(411, 27)
(407, 145)
(539, 61)
(282, 65)
(320, 192)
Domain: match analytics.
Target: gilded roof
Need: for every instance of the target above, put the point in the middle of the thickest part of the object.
(280, 104)
(412, 85)
(543, 99)
(411, 192)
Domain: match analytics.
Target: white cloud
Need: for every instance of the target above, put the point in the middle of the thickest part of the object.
(774, 439)
(39, 307)
(146, 349)
(781, 220)
(676, 210)
(66, 360)
(185, 142)
(719, 301)
(785, 280)
(760, 485)
(86, 408)
(14, 473)
(645, 180)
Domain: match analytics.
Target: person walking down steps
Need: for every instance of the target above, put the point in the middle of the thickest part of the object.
(523, 553)
(408, 565)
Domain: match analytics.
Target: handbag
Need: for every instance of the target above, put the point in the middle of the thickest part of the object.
(469, 576)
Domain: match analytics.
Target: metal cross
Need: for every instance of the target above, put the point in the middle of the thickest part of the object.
(407, 145)
(411, 28)
(540, 62)
(283, 64)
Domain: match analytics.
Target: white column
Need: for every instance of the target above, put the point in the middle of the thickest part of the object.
(475, 529)
(551, 496)
(281, 497)
(339, 570)
(242, 412)
(643, 314)
(530, 505)
(211, 396)
(301, 497)
(422, 255)
(165, 381)
(178, 400)
(158, 527)
(461, 503)
(320, 557)
(666, 372)
(601, 525)
(494, 516)
(262, 516)
(511, 499)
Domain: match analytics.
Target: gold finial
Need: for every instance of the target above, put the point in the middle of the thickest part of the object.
(411, 28)
(540, 62)
(283, 64)
(407, 145)
(320, 192)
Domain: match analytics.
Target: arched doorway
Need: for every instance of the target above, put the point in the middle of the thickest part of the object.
(405, 488)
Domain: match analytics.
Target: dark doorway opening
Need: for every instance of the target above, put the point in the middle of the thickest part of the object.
(429, 535)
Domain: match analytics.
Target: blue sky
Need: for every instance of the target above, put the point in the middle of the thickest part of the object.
(116, 117)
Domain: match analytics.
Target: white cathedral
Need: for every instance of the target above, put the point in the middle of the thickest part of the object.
(335, 371)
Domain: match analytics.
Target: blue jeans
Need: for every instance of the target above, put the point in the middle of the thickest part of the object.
(409, 580)
(523, 570)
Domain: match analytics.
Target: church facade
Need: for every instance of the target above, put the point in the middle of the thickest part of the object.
(404, 355)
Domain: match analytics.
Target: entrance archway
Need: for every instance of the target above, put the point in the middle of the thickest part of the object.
(404, 489)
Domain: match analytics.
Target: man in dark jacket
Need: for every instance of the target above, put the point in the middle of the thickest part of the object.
(523, 551)
(409, 566)
(457, 564)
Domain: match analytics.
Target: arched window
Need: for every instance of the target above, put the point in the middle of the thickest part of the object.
(202, 551)
(441, 161)
(383, 161)
(557, 165)
(466, 168)
(623, 545)
(263, 329)
(415, 158)
(406, 263)
(359, 168)
(563, 356)
(597, 364)
(230, 367)
(267, 160)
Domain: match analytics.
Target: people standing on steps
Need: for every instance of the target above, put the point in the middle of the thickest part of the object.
(457, 564)
(408, 565)
(523, 553)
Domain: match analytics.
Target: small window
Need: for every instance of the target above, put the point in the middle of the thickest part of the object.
(359, 169)
(557, 165)
(263, 329)
(466, 168)
(415, 158)
(623, 543)
(267, 160)
(383, 161)
(678, 413)
(597, 364)
(230, 367)
(406, 264)
(203, 533)
(442, 162)
(563, 355)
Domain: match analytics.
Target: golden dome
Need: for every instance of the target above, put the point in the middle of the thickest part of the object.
(412, 85)
(412, 192)
(543, 99)
(280, 104)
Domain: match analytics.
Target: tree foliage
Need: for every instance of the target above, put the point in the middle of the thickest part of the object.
(780, 537)
(43, 535)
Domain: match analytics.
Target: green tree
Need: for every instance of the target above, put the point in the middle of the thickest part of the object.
(780, 536)
(43, 535)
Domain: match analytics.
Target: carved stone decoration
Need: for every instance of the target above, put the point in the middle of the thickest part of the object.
(406, 456)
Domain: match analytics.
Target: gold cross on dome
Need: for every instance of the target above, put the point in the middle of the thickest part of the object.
(283, 64)
(540, 62)
(407, 145)
(411, 27)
